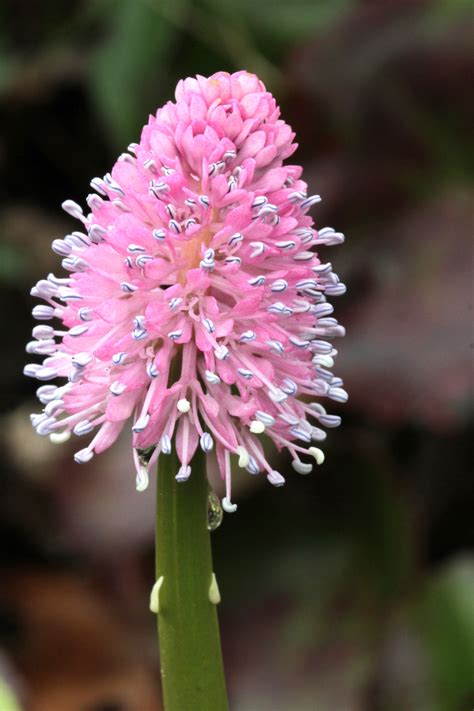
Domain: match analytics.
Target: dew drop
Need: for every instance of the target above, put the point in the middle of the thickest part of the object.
(214, 512)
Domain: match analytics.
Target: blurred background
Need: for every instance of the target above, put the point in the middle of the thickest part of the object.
(348, 590)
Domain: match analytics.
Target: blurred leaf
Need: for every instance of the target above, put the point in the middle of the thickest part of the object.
(7, 62)
(12, 265)
(128, 69)
(443, 9)
(7, 700)
(378, 523)
(445, 617)
(283, 20)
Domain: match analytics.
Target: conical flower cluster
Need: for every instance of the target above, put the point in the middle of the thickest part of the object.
(195, 310)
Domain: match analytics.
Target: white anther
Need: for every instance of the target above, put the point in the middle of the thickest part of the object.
(208, 325)
(76, 331)
(286, 244)
(257, 427)
(184, 473)
(45, 373)
(141, 423)
(142, 480)
(166, 444)
(324, 360)
(174, 226)
(252, 466)
(303, 256)
(275, 346)
(247, 374)
(59, 437)
(212, 378)
(43, 312)
(235, 239)
(149, 164)
(301, 433)
(83, 456)
(301, 467)
(206, 442)
(247, 336)
(152, 370)
(72, 208)
(82, 428)
(221, 353)
(119, 358)
(228, 506)
(43, 332)
(175, 302)
(264, 417)
(277, 395)
(127, 287)
(275, 478)
(318, 454)
(243, 456)
(289, 386)
(53, 406)
(312, 200)
(117, 388)
(279, 285)
(257, 281)
(183, 405)
(258, 248)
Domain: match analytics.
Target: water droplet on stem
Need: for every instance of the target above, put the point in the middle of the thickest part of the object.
(214, 512)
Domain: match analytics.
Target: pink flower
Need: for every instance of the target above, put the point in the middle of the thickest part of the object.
(196, 304)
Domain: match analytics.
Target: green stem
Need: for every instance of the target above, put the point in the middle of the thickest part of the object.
(191, 659)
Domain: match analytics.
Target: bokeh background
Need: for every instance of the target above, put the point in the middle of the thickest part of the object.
(348, 590)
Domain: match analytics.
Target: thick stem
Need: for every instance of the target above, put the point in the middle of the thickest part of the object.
(191, 659)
